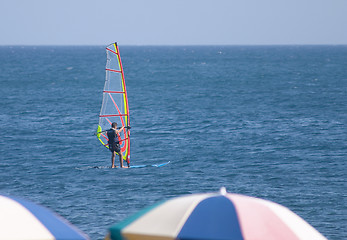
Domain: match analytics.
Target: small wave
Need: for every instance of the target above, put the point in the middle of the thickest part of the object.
(92, 167)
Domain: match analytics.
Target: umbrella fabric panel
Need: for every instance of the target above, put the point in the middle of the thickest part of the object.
(55, 224)
(298, 225)
(18, 223)
(262, 219)
(115, 231)
(21, 219)
(165, 220)
(258, 221)
(213, 218)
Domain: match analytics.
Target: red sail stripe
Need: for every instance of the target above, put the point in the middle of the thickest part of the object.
(123, 139)
(108, 120)
(104, 136)
(112, 70)
(114, 115)
(111, 51)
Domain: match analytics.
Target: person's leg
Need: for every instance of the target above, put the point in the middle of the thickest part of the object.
(120, 159)
(112, 159)
(128, 162)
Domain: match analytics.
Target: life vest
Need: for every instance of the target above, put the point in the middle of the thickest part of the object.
(112, 136)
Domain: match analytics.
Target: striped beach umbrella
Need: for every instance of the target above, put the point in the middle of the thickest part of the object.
(215, 216)
(22, 219)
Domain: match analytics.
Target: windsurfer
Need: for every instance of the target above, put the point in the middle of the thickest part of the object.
(113, 143)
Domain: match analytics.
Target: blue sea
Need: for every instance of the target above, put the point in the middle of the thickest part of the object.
(263, 121)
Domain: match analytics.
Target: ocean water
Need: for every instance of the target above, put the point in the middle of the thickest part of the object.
(264, 121)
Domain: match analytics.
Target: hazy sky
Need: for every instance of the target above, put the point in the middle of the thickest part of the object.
(172, 22)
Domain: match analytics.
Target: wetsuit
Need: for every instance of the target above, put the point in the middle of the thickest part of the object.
(113, 141)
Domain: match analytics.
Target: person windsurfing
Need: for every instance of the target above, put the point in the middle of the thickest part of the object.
(113, 143)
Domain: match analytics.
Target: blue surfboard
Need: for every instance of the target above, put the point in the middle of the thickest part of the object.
(131, 166)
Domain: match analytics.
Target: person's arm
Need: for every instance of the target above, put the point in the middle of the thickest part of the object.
(119, 130)
(127, 127)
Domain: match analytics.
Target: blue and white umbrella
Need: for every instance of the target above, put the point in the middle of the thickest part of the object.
(212, 216)
(22, 219)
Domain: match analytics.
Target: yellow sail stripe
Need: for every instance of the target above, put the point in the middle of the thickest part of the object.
(124, 100)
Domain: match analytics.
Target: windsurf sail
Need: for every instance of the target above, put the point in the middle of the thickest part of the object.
(115, 102)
